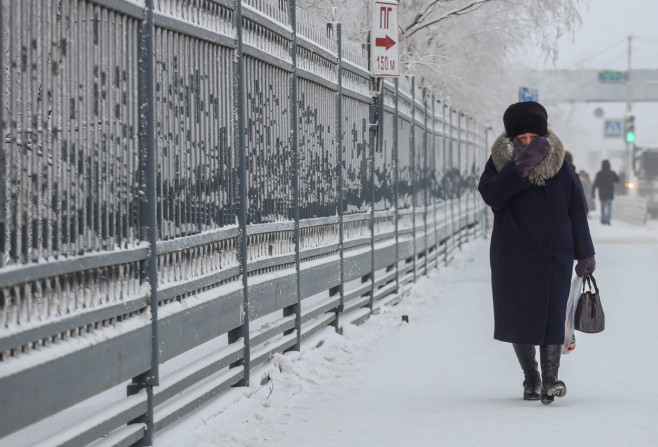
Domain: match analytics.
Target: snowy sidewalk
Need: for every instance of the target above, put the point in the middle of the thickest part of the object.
(441, 380)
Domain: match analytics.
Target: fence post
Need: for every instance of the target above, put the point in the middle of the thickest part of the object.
(372, 141)
(474, 164)
(449, 170)
(460, 191)
(412, 173)
(240, 143)
(396, 125)
(444, 140)
(339, 165)
(471, 172)
(434, 185)
(425, 174)
(467, 188)
(147, 211)
(3, 160)
(484, 160)
(13, 155)
(296, 308)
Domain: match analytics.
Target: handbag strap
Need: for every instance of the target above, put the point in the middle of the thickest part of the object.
(589, 279)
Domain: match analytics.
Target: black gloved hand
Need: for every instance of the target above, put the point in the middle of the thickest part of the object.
(533, 153)
(586, 266)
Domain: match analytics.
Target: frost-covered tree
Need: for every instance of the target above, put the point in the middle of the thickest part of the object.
(466, 51)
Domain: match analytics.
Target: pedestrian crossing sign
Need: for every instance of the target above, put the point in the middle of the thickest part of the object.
(612, 128)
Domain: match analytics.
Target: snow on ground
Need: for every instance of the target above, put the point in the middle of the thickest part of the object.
(441, 379)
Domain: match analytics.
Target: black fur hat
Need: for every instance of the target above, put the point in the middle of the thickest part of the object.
(524, 117)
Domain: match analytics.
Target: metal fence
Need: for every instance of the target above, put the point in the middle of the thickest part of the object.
(191, 186)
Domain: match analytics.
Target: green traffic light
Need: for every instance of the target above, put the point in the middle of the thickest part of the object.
(629, 128)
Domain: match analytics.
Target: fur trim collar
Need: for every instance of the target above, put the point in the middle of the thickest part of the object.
(503, 151)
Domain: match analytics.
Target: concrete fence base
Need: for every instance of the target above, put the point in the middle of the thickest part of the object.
(630, 209)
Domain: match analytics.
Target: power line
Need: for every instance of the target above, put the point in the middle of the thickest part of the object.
(649, 41)
(644, 50)
(602, 51)
(616, 57)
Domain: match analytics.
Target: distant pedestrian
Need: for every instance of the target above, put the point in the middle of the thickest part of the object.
(605, 182)
(540, 228)
(586, 184)
(569, 158)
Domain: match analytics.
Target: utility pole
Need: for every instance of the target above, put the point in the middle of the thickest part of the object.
(629, 112)
(629, 105)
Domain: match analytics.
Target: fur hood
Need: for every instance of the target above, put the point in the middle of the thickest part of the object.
(503, 151)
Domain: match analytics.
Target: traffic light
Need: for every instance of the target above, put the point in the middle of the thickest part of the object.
(629, 129)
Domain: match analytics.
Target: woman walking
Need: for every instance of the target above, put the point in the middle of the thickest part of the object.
(540, 228)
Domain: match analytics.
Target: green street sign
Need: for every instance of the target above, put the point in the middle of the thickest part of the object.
(613, 77)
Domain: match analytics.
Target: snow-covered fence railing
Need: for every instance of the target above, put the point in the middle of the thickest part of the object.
(191, 186)
(631, 209)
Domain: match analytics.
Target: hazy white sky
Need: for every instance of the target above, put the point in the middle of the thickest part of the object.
(601, 41)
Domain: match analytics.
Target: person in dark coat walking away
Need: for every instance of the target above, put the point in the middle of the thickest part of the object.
(540, 228)
(605, 181)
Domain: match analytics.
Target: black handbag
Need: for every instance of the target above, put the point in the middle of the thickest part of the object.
(589, 312)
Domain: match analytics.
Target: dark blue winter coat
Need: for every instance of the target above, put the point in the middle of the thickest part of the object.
(540, 227)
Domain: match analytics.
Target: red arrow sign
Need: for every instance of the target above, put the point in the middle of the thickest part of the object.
(386, 42)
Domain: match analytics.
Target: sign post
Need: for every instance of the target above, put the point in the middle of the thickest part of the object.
(384, 48)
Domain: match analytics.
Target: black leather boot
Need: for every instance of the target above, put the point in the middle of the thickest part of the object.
(551, 387)
(532, 382)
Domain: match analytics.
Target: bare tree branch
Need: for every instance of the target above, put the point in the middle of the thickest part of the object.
(420, 17)
(474, 6)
